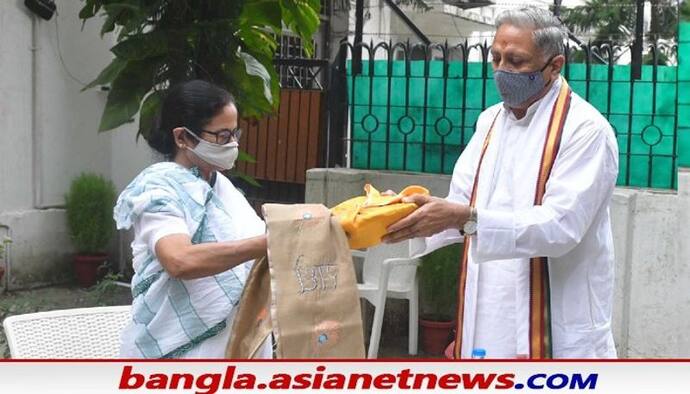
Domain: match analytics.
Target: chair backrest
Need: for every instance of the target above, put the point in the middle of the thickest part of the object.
(69, 333)
(401, 277)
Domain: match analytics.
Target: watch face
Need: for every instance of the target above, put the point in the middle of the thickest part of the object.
(470, 227)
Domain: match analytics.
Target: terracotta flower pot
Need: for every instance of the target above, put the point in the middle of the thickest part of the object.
(86, 268)
(435, 335)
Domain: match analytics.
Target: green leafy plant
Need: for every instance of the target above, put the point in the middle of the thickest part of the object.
(438, 279)
(89, 204)
(104, 289)
(162, 42)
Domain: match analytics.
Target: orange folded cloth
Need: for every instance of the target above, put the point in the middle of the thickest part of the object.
(365, 219)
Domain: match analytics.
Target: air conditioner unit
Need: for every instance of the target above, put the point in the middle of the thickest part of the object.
(467, 4)
(43, 8)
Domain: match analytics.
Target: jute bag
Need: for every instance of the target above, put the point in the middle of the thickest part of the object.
(304, 292)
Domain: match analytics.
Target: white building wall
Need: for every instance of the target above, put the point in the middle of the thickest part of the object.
(382, 24)
(50, 132)
(443, 23)
(15, 98)
(66, 128)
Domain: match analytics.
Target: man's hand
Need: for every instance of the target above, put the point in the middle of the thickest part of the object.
(433, 216)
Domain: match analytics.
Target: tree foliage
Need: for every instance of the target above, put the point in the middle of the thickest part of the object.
(614, 22)
(685, 11)
(162, 42)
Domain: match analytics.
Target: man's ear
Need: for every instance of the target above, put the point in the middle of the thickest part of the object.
(558, 62)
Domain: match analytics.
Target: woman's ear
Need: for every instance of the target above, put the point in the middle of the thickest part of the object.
(179, 137)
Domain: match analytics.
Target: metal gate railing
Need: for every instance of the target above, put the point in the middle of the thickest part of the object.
(414, 107)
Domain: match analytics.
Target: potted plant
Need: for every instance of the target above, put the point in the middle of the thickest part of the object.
(89, 204)
(438, 277)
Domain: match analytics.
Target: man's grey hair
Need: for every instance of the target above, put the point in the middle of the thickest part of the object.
(549, 33)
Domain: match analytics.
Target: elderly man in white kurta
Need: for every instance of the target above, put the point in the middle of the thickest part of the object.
(513, 230)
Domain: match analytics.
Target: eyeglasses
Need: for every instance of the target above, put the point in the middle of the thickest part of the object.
(225, 136)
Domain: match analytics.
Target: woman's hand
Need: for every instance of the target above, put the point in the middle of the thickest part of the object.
(184, 260)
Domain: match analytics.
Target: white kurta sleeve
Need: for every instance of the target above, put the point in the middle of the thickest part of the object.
(154, 226)
(460, 187)
(583, 178)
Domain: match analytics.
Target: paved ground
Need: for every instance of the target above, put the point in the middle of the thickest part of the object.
(64, 297)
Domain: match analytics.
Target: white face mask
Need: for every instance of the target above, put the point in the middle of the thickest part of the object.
(220, 156)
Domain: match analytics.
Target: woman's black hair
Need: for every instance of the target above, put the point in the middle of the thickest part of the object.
(189, 104)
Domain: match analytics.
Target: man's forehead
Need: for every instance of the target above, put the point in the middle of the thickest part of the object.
(515, 39)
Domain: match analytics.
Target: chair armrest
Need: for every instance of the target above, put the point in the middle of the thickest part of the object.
(389, 264)
(358, 253)
(397, 261)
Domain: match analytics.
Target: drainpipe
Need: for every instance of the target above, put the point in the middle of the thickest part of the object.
(7, 254)
(36, 132)
(35, 137)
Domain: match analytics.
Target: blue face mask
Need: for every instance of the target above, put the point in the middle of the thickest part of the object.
(516, 88)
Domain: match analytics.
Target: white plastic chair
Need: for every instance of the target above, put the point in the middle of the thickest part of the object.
(69, 333)
(389, 272)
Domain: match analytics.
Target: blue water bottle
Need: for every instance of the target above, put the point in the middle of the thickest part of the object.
(479, 353)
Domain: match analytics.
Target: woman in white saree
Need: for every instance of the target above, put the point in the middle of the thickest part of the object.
(196, 236)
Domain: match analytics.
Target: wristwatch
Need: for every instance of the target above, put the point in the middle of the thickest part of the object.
(470, 226)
